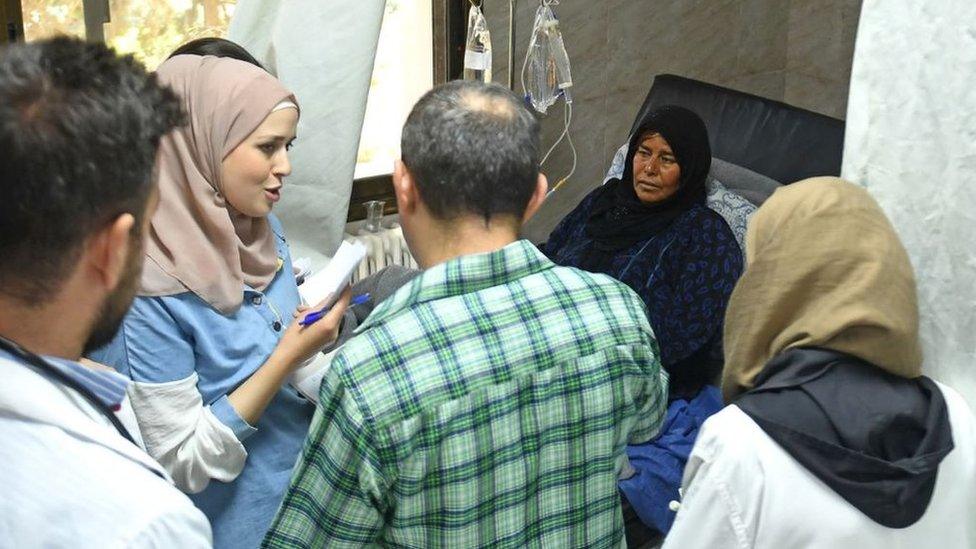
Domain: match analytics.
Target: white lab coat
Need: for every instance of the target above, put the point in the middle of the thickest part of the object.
(742, 490)
(68, 479)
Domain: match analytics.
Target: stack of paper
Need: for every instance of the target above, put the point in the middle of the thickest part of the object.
(322, 290)
(327, 284)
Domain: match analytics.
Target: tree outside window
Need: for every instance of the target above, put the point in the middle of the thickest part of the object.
(148, 29)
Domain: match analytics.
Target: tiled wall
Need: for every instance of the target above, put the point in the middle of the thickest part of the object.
(797, 51)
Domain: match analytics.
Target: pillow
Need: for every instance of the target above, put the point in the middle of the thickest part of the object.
(734, 209)
(756, 187)
(616, 170)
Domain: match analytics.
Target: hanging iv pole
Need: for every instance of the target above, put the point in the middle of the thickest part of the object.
(511, 44)
(511, 40)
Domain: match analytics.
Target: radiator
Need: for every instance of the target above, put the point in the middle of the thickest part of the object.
(384, 247)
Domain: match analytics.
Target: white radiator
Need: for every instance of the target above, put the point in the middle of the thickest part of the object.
(383, 248)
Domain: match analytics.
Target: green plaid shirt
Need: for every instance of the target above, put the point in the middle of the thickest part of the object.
(486, 403)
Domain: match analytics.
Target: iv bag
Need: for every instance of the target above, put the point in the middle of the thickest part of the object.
(477, 49)
(547, 62)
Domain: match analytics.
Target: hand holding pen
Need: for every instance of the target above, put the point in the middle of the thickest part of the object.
(299, 343)
(315, 316)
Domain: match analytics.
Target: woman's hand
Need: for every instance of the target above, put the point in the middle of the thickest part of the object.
(299, 343)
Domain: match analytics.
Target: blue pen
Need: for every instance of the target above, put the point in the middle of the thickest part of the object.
(315, 316)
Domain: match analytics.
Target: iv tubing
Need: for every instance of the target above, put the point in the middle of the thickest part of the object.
(565, 135)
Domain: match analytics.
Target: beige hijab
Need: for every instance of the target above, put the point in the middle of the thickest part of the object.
(824, 268)
(197, 241)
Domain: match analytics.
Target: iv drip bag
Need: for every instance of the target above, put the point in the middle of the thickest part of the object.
(477, 49)
(546, 62)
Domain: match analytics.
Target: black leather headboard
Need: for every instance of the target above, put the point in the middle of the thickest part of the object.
(780, 141)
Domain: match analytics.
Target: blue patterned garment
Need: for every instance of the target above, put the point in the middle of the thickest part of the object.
(684, 275)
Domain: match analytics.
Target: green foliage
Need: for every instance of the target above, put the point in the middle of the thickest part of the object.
(148, 29)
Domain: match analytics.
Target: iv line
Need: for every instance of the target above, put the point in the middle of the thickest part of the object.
(568, 117)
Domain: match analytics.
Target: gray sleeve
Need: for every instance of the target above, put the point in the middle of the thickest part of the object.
(379, 286)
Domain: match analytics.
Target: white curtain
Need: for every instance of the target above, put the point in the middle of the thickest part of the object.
(911, 140)
(323, 51)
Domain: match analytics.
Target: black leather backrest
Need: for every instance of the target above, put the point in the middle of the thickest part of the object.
(780, 141)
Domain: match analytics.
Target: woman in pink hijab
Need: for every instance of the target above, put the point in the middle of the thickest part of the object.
(209, 341)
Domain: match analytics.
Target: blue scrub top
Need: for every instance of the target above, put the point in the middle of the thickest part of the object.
(164, 339)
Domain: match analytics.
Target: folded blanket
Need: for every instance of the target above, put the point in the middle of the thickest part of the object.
(660, 463)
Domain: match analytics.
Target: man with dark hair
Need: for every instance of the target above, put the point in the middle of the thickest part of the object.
(79, 131)
(489, 400)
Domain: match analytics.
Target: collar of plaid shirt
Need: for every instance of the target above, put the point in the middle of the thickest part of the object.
(462, 275)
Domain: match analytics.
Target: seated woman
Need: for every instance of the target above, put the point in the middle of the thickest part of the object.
(210, 340)
(833, 437)
(651, 230)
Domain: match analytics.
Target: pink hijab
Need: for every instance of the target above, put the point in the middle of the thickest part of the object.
(197, 241)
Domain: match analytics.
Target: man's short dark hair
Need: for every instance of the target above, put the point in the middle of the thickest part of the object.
(473, 149)
(79, 131)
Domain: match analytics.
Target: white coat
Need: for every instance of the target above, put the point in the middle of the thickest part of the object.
(68, 479)
(742, 490)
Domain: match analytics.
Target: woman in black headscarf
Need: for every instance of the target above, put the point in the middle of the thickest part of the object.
(652, 231)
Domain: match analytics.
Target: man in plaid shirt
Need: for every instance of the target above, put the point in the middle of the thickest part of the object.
(488, 401)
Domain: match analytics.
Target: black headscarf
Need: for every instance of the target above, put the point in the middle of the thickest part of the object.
(619, 219)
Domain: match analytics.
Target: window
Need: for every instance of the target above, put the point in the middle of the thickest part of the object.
(404, 68)
(148, 29)
(47, 18)
(403, 71)
(151, 29)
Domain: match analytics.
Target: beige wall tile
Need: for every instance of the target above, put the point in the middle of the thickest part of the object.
(762, 32)
(771, 84)
(823, 95)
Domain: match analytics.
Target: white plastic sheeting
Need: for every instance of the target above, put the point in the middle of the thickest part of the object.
(911, 140)
(324, 52)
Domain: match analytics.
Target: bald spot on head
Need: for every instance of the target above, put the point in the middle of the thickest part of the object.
(494, 106)
(473, 149)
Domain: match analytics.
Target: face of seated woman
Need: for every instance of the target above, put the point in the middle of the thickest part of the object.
(252, 174)
(656, 170)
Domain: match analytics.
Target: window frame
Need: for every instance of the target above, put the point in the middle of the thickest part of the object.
(449, 26)
(12, 18)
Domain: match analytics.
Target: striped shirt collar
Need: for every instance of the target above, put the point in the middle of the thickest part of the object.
(107, 386)
(463, 275)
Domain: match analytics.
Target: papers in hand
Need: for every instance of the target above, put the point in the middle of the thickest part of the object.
(328, 283)
(323, 289)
